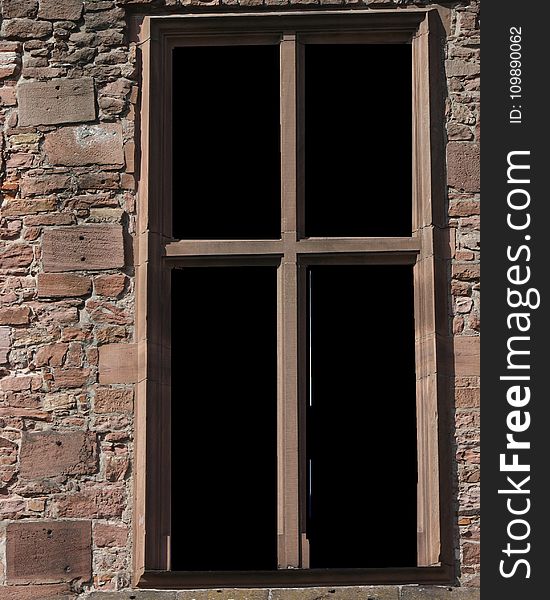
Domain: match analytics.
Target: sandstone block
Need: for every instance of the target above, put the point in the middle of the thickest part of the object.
(114, 400)
(72, 377)
(16, 257)
(34, 185)
(86, 144)
(15, 315)
(4, 344)
(52, 453)
(26, 29)
(60, 285)
(51, 355)
(49, 551)
(89, 247)
(118, 363)
(438, 593)
(19, 8)
(466, 349)
(56, 101)
(110, 285)
(460, 68)
(36, 592)
(101, 502)
(66, 10)
(463, 166)
(19, 208)
(110, 536)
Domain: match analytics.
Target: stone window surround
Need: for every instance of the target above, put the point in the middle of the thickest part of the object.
(156, 36)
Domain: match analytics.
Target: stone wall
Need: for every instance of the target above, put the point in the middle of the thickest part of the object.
(68, 94)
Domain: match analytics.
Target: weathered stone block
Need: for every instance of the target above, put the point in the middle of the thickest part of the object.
(49, 551)
(463, 166)
(19, 8)
(56, 101)
(466, 348)
(103, 502)
(16, 257)
(89, 247)
(110, 536)
(110, 285)
(86, 144)
(34, 185)
(4, 344)
(113, 400)
(52, 453)
(118, 363)
(18, 208)
(66, 10)
(15, 315)
(460, 68)
(438, 593)
(133, 595)
(73, 377)
(60, 285)
(26, 29)
(346, 593)
(59, 591)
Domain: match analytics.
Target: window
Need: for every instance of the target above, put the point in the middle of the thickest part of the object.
(293, 347)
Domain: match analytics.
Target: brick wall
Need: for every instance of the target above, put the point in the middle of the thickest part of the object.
(68, 92)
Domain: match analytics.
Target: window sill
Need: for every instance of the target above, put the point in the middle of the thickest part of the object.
(441, 575)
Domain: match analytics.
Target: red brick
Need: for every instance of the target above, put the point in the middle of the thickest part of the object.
(15, 315)
(101, 502)
(463, 166)
(70, 378)
(85, 145)
(48, 551)
(58, 285)
(16, 257)
(118, 363)
(110, 285)
(52, 453)
(107, 535)
(114, 400)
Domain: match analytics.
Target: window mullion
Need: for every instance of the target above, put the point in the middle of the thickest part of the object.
(287, 426)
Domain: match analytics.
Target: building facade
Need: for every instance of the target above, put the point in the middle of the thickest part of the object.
(88, 241)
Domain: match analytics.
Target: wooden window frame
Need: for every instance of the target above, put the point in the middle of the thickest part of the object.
(156, 253)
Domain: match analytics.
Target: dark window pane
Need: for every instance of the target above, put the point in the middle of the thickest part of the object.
(358, 140)
(224, 412)
(226, 157)
(361, 424)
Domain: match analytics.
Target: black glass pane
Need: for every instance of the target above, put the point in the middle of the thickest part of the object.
(358, 136)
(226, 157)
(361, 421)
(224, 419)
